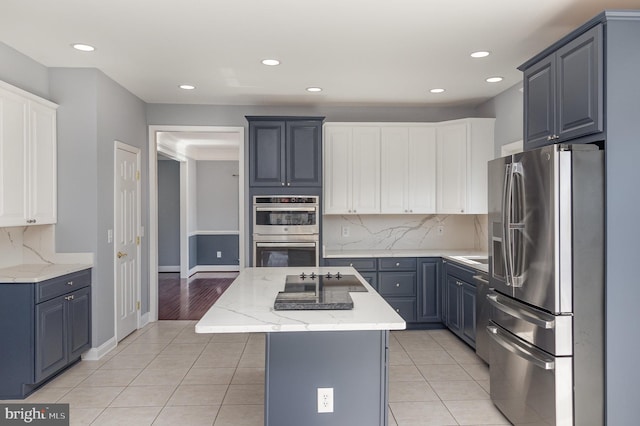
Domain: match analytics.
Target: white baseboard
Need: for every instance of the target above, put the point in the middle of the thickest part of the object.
(95, 354)
(214, 268)
(169, 268)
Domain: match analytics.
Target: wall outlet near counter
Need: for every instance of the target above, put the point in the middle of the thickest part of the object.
(345, 231)
(325, 400)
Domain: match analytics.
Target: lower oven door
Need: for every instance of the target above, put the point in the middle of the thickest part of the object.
(267, 253)
(529, 385)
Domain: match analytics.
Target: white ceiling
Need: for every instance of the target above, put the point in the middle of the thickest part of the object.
(361, 52)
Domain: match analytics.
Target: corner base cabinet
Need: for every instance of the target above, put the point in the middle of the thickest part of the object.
(44, 328)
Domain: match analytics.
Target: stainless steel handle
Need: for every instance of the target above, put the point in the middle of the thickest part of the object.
(529, 317)
(518, 349)
(294, 245)
(69, 282)
(505, 220)
(479, 278)
(286, 209)
(69, 297)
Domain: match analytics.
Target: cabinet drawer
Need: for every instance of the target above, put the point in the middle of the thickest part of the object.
(405, 307)
(463, 273)
(61, 285)
(360, 264)
(397, 283)
(397, 263)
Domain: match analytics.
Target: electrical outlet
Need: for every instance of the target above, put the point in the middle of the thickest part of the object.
(345, 231)
(218, 254)
(440, 230)
(109, 236)
(325, 400)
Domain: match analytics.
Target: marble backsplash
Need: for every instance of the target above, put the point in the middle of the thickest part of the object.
(387, 232)
(34, 244)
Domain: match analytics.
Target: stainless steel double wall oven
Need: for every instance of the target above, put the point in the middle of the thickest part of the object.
(286, 230)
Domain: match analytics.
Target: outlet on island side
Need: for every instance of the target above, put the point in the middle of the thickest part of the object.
(325, 400)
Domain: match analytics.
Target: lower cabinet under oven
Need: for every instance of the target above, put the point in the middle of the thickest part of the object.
(285, 253)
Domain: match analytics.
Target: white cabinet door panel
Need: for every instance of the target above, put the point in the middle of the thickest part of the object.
(395, 170)
(422, 170)
(337, 169)
(452, 168)
(365, 161)
(42, 167)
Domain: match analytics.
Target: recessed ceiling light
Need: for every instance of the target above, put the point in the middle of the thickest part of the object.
(187, 86)
(494, 79)
(314, 89)
(83, 47)
(271, 62)
(436, 90)
(480, 54)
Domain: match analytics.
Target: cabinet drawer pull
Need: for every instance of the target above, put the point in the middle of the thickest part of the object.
(397, 284)
(69, 297)
(397, 263)
(351, 264)
(282, 183)
(288, 183)
(69, 282)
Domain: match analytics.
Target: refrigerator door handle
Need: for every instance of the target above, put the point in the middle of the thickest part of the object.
(516, 312)
(506, 218)
(517, 275)
(518, 349)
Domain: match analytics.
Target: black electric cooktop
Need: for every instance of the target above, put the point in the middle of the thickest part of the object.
(317, 292)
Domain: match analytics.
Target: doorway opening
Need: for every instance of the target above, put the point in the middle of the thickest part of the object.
(203, 236)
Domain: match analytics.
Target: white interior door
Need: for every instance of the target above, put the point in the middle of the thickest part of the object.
(127, 268)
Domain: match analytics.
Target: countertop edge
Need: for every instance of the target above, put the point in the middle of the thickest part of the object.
(35, 273)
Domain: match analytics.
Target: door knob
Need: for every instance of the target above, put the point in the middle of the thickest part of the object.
(121, 254)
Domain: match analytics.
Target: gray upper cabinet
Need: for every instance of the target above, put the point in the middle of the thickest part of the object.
(285, 151)
(563, 93)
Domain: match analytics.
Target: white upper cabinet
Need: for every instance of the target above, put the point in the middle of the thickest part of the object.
(408, 175)
(351, 170)
(407, 168)
(28, 190)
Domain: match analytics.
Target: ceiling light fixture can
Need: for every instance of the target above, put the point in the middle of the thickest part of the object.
(494, 79)
(187, 86)
(270, 62)
(314, 89)
(83, 47)
(436, 90)
(480, 54)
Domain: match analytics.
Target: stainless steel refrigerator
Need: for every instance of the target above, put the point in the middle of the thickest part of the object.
(546, 264)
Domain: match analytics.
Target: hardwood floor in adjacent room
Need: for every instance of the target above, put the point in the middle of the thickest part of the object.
(189, 299)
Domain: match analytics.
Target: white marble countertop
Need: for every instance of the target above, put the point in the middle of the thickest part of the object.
(247, 307)
(37, 272)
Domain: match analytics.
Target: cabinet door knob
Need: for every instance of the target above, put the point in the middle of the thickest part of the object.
(351, 264)
(282, 183)
(397, 284)
(397, 263)
(69, 282)
(398, 310)
(288, 183)
(69, 297)
(550, 137)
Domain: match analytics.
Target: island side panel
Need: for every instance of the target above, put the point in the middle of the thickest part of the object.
(353, 363)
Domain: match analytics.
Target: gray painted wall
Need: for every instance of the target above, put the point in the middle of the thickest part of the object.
(23, 72)
(217, 195)
(507, 109)
(168, 213)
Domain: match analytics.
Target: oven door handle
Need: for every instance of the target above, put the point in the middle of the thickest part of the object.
(286, 209)
(294, 245)
(518, 349)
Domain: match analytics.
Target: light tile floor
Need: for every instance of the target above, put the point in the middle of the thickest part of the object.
(166, 374)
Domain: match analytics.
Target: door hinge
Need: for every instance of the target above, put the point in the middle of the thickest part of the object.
(137, 174)
(138, 305)
(138, 241)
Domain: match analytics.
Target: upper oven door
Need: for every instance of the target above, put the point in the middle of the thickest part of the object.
(283, 219)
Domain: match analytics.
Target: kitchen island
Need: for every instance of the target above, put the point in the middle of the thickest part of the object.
(345, 350)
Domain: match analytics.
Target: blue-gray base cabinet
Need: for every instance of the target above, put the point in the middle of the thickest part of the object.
(410, 285)
(44, 328)
(353, 363)
(459, 301)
